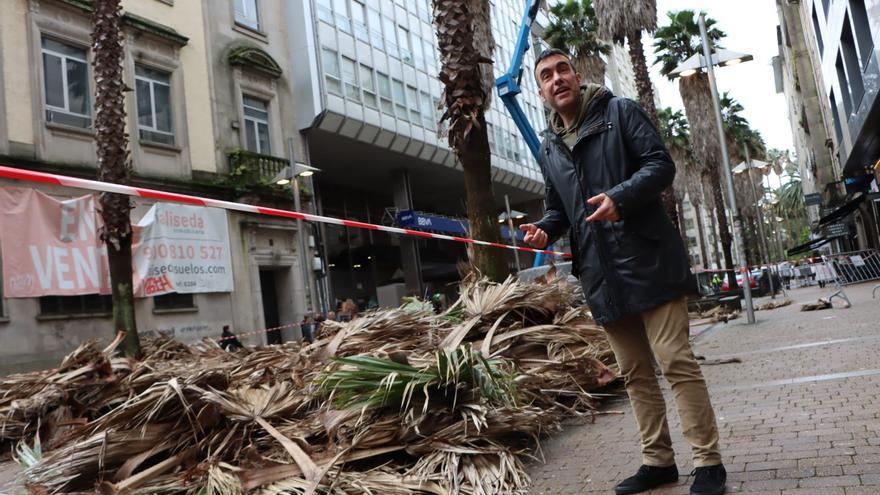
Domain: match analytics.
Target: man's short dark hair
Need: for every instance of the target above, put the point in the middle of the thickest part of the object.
(547, 53)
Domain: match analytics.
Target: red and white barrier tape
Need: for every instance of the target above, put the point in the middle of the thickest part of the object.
(93, 185)
(258, 332)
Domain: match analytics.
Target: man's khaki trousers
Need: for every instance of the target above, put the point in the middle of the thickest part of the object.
(662, 332)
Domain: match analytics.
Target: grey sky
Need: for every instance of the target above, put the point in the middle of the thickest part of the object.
(750, 27)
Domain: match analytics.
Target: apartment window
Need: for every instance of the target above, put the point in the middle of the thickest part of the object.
(359, 19)
(862, 30)
(390, 36)
(340, 13)
(499, 141)
(517, 148)
(399, 99)
(173, 301)
(325, 11)
(418, 56)
(332, 73)
(405, 48)
(369, 87)
(256, 125)
(412, 96)
(851, 62)
(818, 30)
(427, 111)
(438, 114)
(247, 13)
(385, 93)
(90, 304)
(490, 130)
(66, 84)
(350, 77)
(844, 86)
(428, 52)
(424, 7)
(153, 89)
(838, 130)
(376, 38)
(688, 223)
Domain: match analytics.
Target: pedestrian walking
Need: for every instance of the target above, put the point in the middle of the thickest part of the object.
(605, 166)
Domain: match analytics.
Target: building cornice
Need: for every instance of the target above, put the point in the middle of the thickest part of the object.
(254, 58)
(137, 23)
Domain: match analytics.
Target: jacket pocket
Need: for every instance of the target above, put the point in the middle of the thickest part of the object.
(640, 228)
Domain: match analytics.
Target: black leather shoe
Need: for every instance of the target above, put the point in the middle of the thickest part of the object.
(709, 480)
(646, 478)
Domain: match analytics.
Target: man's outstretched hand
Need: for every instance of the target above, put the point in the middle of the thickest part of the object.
(535, 237)
(607, 210)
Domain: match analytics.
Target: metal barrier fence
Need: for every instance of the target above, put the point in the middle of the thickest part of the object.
(850, 268)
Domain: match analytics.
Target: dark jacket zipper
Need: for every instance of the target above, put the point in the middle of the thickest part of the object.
(607, 270)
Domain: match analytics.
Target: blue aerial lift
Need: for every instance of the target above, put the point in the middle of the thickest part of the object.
(508, 86)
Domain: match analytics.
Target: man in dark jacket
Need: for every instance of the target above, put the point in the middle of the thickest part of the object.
(605, 167)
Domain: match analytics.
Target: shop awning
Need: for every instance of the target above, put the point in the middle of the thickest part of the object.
(809, 246)
(410, 219)
(842, 211)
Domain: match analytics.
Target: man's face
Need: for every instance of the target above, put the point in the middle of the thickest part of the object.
(558, 83)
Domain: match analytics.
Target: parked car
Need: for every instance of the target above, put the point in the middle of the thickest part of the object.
(753, 281)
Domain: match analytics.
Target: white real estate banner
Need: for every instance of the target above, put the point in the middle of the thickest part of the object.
(182, 249)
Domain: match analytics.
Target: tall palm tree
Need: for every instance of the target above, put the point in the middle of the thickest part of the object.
(673, 44)
(745, 142)
(675, 131)
(113, 166)
(790, 204)
(624, 20)
(464, 36)
(676, 136)
(575, 29)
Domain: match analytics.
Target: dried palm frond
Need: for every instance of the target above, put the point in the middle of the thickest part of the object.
(428, 418)
(773, 305)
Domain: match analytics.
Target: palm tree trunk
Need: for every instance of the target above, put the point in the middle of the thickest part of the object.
(700, 233)
(697, 100)
(721, 217)
(679, 217)
(716, 253)
(475, 160)
(112, 143)
(646, 98)
(592, 68)
(464, 37)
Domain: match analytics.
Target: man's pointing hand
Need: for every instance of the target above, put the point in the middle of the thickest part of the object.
(607, 210)
(534, 237)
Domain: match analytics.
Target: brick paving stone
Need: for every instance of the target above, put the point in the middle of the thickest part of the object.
(830, 481)
(819, 437)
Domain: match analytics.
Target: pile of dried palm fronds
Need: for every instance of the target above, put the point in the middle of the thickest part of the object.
(718, 314)
(773, 305)
(821, 303)
(395, 402)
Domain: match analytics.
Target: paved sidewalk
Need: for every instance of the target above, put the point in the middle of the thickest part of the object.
(799, 415)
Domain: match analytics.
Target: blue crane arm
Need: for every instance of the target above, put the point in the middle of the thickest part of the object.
(508, 85)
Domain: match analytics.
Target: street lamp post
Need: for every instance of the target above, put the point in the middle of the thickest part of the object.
(725, 159)
(290, 174)
(691, 66)
(510, 218)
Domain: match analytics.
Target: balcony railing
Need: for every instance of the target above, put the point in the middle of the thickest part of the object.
(254, 166)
